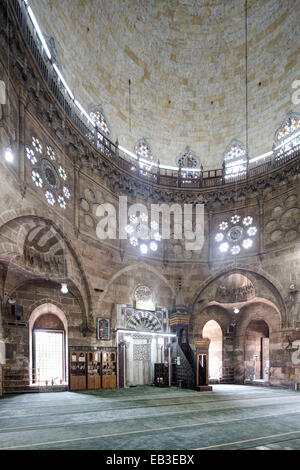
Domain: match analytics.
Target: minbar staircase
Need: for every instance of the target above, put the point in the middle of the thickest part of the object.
(183, 374)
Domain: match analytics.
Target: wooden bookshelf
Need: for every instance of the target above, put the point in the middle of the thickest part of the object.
(78, 360)
(94, 370)
(109, 369)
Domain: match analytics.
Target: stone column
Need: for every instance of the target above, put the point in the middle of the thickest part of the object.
(2, 362)
(127, 364)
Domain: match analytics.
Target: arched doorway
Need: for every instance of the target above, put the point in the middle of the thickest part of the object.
(257, 356)
(213, 332)
(48, 346)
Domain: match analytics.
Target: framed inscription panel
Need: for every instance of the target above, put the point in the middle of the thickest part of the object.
(103, 328)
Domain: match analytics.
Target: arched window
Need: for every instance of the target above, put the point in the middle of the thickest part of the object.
(143, 150)
(188, 159)
(257, 354)
(213, 331)
(48, 346)
(98, 117)
(235, 159)
(143, 297)
(287, 136)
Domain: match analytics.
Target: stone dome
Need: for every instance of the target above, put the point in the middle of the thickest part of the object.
(185, 60)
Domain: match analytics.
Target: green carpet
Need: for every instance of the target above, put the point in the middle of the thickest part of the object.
(230, 417)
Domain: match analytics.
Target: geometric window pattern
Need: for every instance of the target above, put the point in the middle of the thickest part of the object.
(290, 126)
(142, 352)
(56, 191)
(100, 121)
(141, 234)
(143, 150)
(143, 294)
(236, 234)
(187, 159)
(49, 356)
(234, 159)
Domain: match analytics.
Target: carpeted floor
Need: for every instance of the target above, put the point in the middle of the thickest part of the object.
(230, 417)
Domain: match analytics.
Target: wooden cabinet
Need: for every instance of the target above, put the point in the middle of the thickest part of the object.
(109, 381)
(92, 369)
(109, 370)
(77, 370)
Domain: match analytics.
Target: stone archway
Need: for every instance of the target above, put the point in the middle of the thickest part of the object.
(213, 332)
(257, 354)
(257, 320)
(20, 222)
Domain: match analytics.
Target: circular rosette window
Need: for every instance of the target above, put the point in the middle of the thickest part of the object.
(49, 173)
(232, 238)
(235, 234)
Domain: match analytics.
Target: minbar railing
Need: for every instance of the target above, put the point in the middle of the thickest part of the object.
(111, 151)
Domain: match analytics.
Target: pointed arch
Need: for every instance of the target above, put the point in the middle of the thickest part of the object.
(273, 285)
(143, 150)
(287, 136)
(75, 268)
(234, 159)
(135, 267)
(100, 121)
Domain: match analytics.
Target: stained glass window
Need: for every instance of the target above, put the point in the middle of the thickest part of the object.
(143, 150)
(50, 198)
(236, 233)
(61, 202)
(49, 174)
(66, 192)
(31, 155)
(188, 159)
(62, 173)
(288, 127)
(235, 159)
(284, 135)
(36, 178)
(46, 175)
(100, 121)
(37, 145)
(50, 153)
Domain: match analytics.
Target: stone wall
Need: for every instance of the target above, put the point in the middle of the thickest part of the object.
(101, 274)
